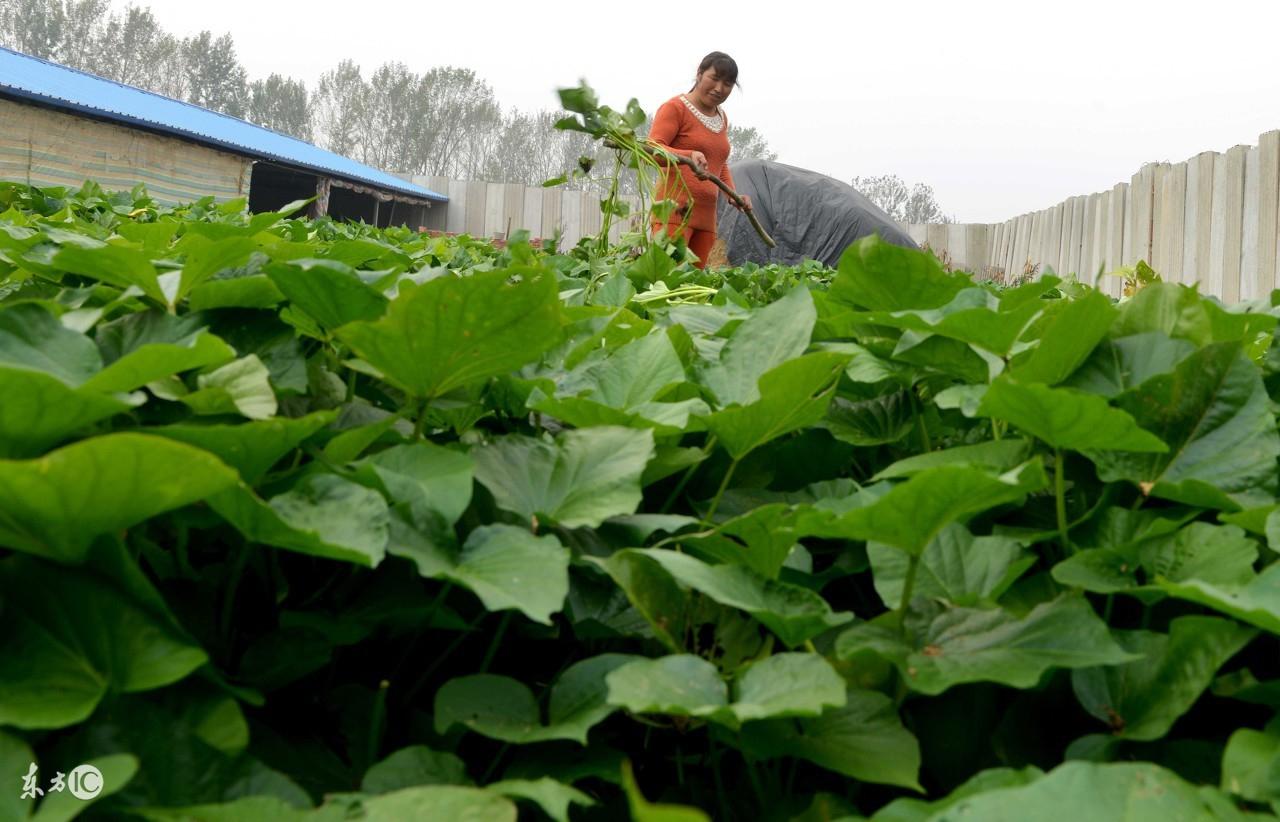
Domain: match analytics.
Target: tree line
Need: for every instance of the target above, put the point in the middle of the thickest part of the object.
(445, 121)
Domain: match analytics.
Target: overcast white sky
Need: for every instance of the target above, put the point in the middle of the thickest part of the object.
(1002, 107)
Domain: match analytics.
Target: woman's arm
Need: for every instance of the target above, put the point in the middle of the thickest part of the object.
(665, 129)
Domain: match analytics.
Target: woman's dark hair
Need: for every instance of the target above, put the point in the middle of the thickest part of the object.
(724, 65)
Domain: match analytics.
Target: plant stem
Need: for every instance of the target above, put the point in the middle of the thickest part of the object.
(1059, 492)
(425, 676)
(421, 422)
(493, 766)
(908, 587)
(688, 474)
(493, 643)
(752, 775)
(923, 429)
(715, 771)
(238, 561)
(378, 722)
(724, 483)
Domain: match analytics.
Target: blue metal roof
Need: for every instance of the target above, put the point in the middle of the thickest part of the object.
(59, 86)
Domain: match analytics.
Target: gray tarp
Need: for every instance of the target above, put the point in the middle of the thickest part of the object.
(809, 215)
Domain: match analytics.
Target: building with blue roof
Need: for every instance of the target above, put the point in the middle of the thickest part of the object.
(60, 127)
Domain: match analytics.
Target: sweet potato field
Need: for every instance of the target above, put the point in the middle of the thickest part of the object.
(303, 520)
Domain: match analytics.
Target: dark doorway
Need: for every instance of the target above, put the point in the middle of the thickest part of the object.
(272, 186)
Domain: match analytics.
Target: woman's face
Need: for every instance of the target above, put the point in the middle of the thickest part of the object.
(713, 88)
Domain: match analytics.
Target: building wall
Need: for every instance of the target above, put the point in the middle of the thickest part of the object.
(42, 147)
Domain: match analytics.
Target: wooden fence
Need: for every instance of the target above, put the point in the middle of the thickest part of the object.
(1214, 219)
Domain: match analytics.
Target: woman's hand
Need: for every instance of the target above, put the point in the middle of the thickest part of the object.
(699, 161)
(746, 202)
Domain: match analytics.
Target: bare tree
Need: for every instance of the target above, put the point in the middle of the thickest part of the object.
(914, 204)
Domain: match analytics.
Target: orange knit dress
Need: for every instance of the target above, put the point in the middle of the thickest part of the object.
(677, 129)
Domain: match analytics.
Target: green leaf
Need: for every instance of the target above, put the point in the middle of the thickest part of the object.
(239, 387)
(329, 291)
(251, 448)
(771, 336)
(1214, 414)
(795, 614)
(504, 709)
(970, 318)
(879, 276)
(792, 396)
(623, 388)
(411, 766)
(911, 515)
(16, 758)
(323, 515)
(1120, 791)
(205, 258)
(1257, 602)
(1251, 765)
(505, 566)
(956, 567)
(877, 421)
(1217, 554)
(453, 331)
(1070, 336)
(353, 442)
(582, 479)
(112, 264)
(32, 339)
(787, 685)
(153, 362)
(680, 685)
(71, 638)
(40, 410)
(1116, 366)
(996, 456)
(642, 810)
(426, 476)
(55, 505)
(256, 291)
(1142, 699)
(1064, 418)
(1169, 308)
(760, 539)
(453, 802)
(864, 740)
(551, 796)
(633, 374)
(961, 645)
(908, 809)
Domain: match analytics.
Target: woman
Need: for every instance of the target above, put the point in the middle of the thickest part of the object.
(692, 125)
